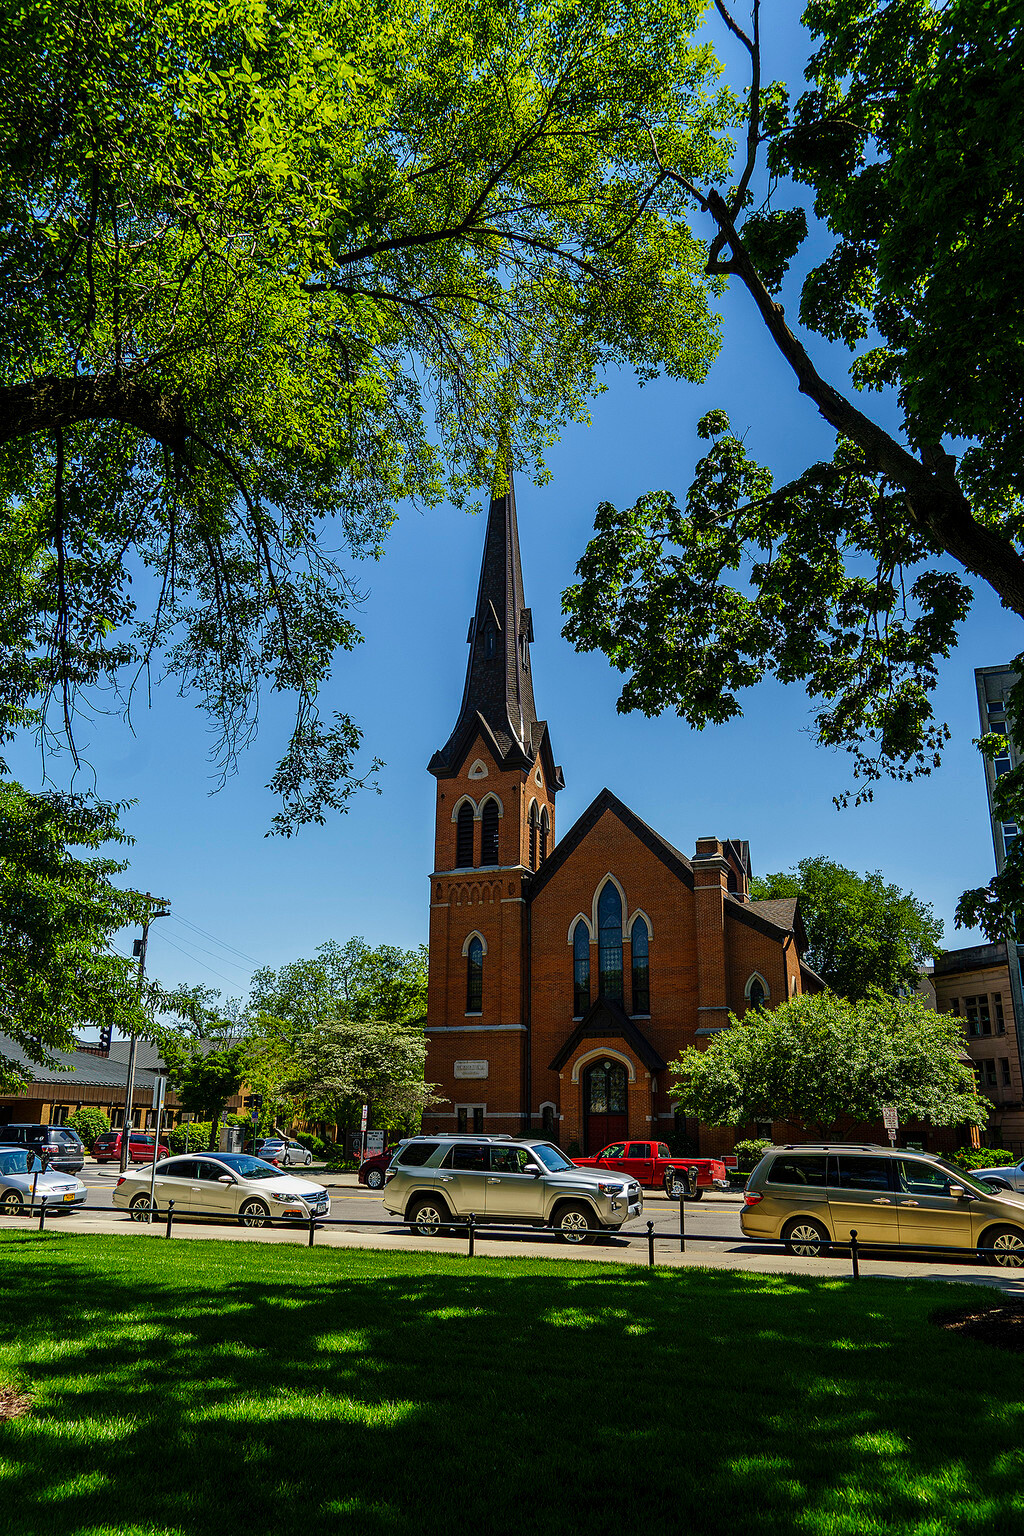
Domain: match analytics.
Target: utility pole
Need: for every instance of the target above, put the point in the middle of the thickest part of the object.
(140, 951)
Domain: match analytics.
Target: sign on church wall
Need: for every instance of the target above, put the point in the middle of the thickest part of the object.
(471, 1068)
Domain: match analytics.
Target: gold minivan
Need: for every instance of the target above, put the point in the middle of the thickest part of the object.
(810, 1193)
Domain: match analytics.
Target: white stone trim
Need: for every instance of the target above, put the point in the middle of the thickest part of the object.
(475, 934)
(756, 976)
(460, 802)
(627, 927)
(584, 1061)
(477, 770)
(473, 1029)
(594, 926)
(581, 917)
(490, 795)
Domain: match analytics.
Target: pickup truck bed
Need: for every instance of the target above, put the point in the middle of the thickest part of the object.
(652, 1165)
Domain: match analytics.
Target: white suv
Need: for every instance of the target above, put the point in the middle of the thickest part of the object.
(433, 1179)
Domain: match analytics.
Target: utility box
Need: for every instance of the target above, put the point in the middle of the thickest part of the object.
(231, 1138)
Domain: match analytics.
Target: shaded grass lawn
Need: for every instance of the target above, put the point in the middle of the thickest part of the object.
(272, 1391)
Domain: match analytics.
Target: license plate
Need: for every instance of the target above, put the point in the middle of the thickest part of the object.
(68, 1198)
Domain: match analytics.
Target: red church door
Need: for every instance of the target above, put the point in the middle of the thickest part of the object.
(604, 1105)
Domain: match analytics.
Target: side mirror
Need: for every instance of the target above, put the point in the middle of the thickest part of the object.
(956, 1191)
(225, 1178)
(535, 1169)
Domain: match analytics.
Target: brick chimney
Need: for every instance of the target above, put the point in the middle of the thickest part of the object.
(710, 880)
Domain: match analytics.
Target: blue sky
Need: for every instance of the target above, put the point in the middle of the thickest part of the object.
(267, 901)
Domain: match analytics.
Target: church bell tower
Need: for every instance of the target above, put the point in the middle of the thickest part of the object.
(495, 824)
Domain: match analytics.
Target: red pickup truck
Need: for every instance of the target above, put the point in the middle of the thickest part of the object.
(652, 1164)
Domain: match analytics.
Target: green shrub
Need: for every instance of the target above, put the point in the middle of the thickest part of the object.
(89, 1123)
(338, 1158)
(983, 1157)
(192, 1136)
(750, 1153)
(312, 1144)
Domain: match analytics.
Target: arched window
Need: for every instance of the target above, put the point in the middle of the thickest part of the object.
(580, 969)
(489, 833)
(545, 828)
(756, 994)
(609, 940)
(640, 943)
(547, 1121)
(475, 977)
(534, 827)
(464, 837)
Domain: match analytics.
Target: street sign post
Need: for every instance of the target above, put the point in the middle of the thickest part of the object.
(362, 1132)
(891, 1121)
(159, 1090)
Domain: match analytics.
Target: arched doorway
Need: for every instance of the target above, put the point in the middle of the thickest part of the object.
(604, 1103)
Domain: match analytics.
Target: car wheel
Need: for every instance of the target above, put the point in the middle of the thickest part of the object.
(805, 1238)
(1007, 1244)
(309, 1158)
(139, 1206)
(428, 1215)
(374, 1179)
(253, 1213)
(11, 1204)
(571, 1223)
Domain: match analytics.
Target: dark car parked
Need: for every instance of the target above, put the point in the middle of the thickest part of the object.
(61, 1148)
(372, 1169)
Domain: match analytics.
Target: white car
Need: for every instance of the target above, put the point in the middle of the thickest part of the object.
(21, 1176)
(222, 1184)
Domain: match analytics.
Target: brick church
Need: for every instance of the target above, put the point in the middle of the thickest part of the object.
(565, 975)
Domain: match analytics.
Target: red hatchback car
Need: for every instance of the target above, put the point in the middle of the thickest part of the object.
(107, 1148)
(372, 1170)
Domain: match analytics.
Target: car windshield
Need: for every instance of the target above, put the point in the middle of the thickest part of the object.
(961, 1176)
(248, 1167)
(552, 1159)
(19, 1162)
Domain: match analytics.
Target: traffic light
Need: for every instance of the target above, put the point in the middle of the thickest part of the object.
(253, 1101)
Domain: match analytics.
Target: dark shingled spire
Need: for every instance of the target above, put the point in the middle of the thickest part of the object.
(498, 697)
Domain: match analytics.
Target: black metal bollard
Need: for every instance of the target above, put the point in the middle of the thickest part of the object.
(682, 1224)
(170, 1217)
(42, 1211)
(854, 1249)
(311, 1229)
(650, 1243)
(472, 1234)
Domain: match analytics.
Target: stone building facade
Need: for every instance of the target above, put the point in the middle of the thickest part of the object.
(974, 983)
(566, 975)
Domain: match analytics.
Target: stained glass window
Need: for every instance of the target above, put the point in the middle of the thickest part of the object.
(756, 994)
(475, 977)
(609, 921)
(640, 945)
(581, 969)
(606, 1088)
(544, 829)
(533, 835)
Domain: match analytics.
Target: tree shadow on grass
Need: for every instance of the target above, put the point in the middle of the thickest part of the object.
(210, 1387)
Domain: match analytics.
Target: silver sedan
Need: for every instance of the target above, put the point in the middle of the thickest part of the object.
(23, 1182)
(222, 1184)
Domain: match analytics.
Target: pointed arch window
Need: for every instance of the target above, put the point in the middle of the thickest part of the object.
(757, 996)
(464, 837)
(545, 828)
(475, 977)
(609, 941)
(580, 969)
(640, 947)
(534, 829)
(489, 833)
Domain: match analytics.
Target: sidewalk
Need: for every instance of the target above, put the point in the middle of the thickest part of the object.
(612, 1251)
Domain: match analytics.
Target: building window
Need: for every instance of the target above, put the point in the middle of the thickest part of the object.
(979, 1021)
(545, 827)
(580, 969)
(609, 941)
(462, 1114)
(475, 977)
(989, 1068)
(640, 946)
(464, 837)
(478, 1118)
(1004, 1067)
(953, 1005)
(59, 1114)
(756, 994)
(547, 1121)
(1009, 835)
(489, 833)
(763, 1130)
(997, 1006)
(534, 828)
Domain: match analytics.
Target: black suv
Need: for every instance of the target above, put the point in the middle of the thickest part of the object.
(63, 1148)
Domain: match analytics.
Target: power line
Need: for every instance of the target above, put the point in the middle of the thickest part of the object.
(223, 958)
(232, 981)
(213, 938)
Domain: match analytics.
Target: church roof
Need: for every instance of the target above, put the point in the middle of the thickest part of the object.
(607, 1020)
(498, 701)
(779, 910)
(677, 862)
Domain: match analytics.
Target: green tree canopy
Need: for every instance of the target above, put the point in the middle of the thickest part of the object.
(59, 913)
(381, 1065)
(350, 981)
(203, 1079)
(821, 1059)
(904, 155)
(270, 270)
(863, 934)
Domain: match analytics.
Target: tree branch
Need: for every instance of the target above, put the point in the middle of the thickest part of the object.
(43, 405)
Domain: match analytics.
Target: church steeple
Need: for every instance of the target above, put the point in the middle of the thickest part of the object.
(498, 701)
